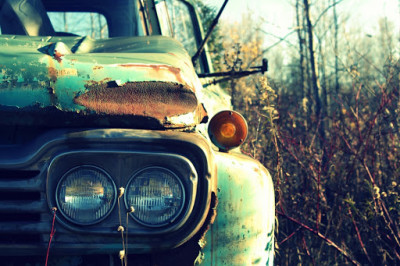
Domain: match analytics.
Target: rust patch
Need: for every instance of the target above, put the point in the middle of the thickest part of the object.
(52, 70)
(159, 70)
(97, 84)
(212, 214)
(57, 56)
(153, 99)
(67, 72)
(53, 74)
(97, 68)
(177, 73)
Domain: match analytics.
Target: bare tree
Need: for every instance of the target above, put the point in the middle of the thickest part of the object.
(302, 59)
(315, 83)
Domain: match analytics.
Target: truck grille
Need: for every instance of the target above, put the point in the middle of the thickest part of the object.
(22, 208)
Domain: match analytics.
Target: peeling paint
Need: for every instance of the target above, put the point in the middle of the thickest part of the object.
(158, 70)
(115, 77)
(243, 231)
(57, 56)
(97, 68)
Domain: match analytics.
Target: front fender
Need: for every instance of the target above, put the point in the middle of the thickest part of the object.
(243, 232)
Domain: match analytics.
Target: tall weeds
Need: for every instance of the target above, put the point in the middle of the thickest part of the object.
(337, 202)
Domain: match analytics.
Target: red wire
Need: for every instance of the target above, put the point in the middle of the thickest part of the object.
(52, 232)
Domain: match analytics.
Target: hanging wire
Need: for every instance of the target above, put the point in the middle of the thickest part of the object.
(52, 232)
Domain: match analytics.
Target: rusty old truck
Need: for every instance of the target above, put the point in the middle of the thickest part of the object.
(112, 149)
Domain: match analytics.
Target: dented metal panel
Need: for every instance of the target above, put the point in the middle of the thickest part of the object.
(243, 231)
(159, 99)
(150, 77)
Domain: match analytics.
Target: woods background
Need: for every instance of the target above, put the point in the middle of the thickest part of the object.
(326, 125)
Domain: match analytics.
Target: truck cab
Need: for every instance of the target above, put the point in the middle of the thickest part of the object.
(111, 148)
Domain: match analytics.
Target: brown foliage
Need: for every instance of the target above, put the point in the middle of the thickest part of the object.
(337, 189)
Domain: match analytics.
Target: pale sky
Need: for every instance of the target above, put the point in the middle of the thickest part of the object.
(279, 14)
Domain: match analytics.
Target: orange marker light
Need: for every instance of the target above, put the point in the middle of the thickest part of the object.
(227, 130)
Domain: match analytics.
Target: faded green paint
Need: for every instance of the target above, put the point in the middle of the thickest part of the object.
(50, 77)
(40, 72)
(243, 231)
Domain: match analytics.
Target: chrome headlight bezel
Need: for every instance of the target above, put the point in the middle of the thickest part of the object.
(67, 175)
(121, 166)
(177, 181)
(122, 152)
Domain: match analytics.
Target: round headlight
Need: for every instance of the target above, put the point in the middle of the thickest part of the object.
(85, 195)
(157, 196)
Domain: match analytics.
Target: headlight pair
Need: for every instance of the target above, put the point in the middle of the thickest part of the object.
(86, 195)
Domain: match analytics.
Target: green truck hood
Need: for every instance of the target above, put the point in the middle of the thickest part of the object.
(136, 82)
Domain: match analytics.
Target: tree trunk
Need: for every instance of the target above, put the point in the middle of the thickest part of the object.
(336, 51)
(314, 72)
(301, 52)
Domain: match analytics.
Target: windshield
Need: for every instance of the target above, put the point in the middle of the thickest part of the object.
(108, 18)
(80, 24)
(175, 21)
(99, 20)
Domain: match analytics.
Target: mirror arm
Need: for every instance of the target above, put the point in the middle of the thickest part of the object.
(234, 74)
(238, 74)
(210, 30)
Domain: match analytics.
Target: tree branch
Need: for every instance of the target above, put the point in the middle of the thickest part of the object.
(325, 10)
(327, 240)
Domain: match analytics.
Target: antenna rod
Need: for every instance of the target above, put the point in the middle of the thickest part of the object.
(210, 30)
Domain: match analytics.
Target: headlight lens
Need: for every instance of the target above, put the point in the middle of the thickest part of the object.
(85, 195)
(157, 196)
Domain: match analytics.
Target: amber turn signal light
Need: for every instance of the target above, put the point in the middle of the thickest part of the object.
(227, 130)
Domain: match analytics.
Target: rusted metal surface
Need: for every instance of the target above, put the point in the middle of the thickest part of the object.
(154, 99)
(243, 231)
(150, 77)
